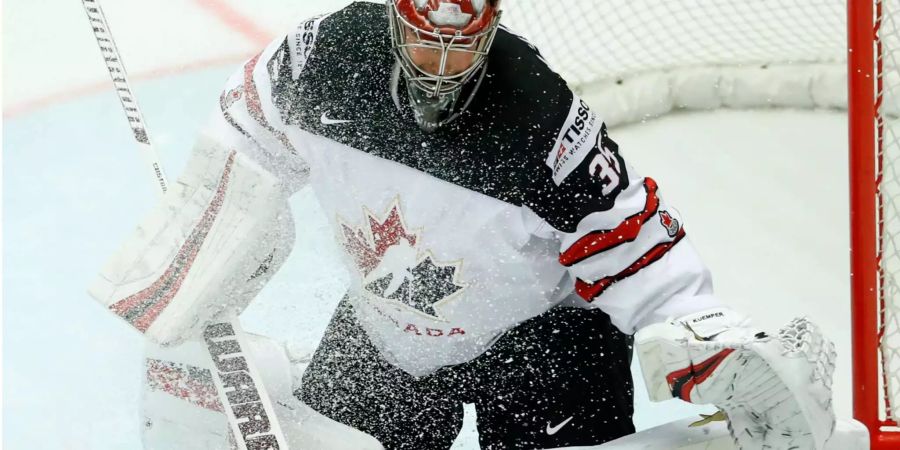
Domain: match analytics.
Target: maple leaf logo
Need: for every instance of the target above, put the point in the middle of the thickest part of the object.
(385, 234)
(227, 99)
(669, 223)
(393, 268)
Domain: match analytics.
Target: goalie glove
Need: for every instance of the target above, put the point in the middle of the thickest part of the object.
(774, 390)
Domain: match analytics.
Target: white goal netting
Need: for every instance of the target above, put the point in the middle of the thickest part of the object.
(594, 40)
(888, 138)
(642, 58)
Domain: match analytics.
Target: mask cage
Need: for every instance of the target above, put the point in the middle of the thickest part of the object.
(438, 84)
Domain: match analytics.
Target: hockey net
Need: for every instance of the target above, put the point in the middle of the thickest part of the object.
(638, 59)
(887, 96)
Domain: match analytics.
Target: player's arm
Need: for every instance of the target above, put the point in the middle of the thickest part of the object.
(625, 249)
(223, 228)
(628, 254)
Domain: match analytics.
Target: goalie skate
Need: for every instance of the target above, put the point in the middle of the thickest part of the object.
(775, 391)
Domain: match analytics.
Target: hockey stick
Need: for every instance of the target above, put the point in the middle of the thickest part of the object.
(247, 405)
(120, 81)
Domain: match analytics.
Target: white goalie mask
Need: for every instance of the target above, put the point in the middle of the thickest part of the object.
(447, 31)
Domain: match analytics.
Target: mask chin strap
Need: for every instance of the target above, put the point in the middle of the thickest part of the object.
(433, 112)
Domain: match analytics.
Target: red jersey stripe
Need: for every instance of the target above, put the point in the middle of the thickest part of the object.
(254, 104)
(590, 291)
(603, 240)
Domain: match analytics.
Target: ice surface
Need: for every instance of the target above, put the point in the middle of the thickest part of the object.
(763, 194)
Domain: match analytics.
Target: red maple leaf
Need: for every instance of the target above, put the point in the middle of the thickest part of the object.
(385, 234)
(666, 219)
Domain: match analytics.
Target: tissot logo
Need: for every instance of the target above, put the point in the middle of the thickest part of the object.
(574, 140)
(303, 43)
(571, 135)
(574, 131)
(396, 270)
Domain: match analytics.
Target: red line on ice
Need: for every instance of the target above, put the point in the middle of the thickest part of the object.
(220, 9)
(96, 87)
(236, 21)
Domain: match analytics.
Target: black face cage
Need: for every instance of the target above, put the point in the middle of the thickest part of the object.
(438, 84)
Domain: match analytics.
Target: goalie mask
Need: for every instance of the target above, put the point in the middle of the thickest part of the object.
(441, 49)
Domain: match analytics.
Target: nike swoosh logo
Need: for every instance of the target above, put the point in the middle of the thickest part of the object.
(553, 430)
(328, 121)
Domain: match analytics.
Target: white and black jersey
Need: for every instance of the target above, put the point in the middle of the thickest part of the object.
(522, 203)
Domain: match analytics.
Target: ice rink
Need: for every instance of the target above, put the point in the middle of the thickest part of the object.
(763, 193)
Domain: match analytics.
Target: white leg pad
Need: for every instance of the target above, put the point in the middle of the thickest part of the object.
(679, 435)
(181, 408)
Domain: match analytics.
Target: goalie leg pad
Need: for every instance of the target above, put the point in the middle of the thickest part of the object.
(181, 407)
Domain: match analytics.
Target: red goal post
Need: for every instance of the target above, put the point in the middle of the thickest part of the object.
(643, 58)
(873, 68)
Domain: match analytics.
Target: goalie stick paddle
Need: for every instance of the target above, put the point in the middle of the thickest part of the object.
(248, 408)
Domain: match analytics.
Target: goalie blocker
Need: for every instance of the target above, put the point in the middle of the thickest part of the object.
(168, 280)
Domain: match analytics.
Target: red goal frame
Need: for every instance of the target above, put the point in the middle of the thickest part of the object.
(864, 69)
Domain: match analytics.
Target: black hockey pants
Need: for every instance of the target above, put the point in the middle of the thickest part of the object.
(559, 379)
